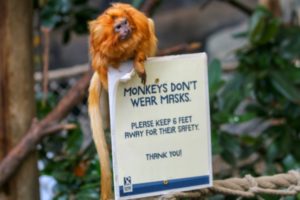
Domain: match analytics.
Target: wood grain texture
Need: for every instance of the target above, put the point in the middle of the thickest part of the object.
(17, 95)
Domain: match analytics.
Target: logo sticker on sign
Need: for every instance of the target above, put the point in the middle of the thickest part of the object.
(127, 184)
(160, 131)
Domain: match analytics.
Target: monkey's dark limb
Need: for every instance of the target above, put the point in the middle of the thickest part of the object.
(42, 128)
(235, 3)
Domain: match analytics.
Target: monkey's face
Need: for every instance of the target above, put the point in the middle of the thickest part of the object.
(112, 29)
(122, 28)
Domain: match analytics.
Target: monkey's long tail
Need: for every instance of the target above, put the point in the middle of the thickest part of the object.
(99, 136)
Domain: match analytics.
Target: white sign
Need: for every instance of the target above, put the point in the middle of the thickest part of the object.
(161, 130)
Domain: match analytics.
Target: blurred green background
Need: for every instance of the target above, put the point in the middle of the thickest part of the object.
(254, 80)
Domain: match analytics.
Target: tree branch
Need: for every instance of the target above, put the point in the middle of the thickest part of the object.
(237, 4)
(248, 11)
(46, 34)
(58, 127)
(49, 124)
(40, 129)
(63, 73)
(184, 47)
(77, 70)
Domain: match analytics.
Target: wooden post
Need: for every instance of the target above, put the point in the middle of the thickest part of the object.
(17, 104)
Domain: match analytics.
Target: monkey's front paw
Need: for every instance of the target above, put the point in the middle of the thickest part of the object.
(143, 77)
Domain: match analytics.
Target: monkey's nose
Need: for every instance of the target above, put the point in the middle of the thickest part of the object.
(124, 34)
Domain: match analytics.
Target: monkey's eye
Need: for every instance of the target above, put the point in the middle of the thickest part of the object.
(118, 27)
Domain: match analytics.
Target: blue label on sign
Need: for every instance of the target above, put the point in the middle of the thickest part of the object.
(156, 186)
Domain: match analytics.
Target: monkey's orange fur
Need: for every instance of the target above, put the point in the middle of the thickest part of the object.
(108, 49)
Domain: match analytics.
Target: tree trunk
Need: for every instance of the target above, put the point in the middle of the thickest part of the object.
(273, 6)
(17, 105)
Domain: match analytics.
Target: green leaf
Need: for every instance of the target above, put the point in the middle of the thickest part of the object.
(289, 162)
(269, 197)
(284, 143)
(242, 118)
(272, 152)
(88, 194)
(234, 84)
(64, 6)
(285, 87)
(257, 24)
(221, 117)
(215, 140)
(270, 30)
(240, 35)
(292, 74)
(289, 42)
(263, 27)
(214, 73)
(231, 148)
(74, 142)
(51, 21)
(214, 77)
(230, 101)
(246, 139)
(232, 93)
(63, 176)
(228, 157)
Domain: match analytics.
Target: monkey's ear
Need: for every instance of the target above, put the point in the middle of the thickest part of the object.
(95, 27)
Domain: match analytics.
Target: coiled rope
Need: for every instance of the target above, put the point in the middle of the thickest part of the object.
(287, 184)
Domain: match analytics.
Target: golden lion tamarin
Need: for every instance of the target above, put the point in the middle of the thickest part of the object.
(119, 34)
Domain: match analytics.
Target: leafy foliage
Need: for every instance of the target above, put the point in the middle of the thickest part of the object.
(265, 86)
(75, 170)
(74, 166)
(70, 15)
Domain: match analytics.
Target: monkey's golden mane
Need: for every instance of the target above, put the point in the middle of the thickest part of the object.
(105, 42)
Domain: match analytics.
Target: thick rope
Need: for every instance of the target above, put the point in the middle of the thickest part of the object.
(280, 185)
